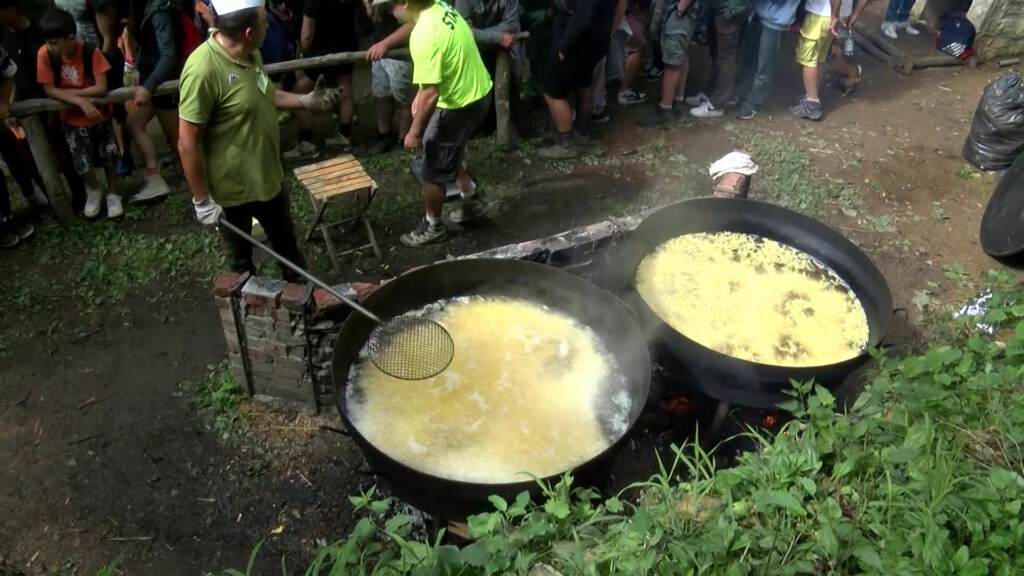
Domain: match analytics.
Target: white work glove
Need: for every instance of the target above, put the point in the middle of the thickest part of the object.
(322, 98)
(208, 212)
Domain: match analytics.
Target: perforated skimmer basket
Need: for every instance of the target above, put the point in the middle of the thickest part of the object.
(405, 347)
(410, 348)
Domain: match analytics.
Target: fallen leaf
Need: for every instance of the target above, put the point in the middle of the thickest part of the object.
(277, 530)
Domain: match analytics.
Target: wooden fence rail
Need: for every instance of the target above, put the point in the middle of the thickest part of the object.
(27, 111)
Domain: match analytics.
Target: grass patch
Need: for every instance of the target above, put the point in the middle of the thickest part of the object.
(217, 398)
(923, 475)
(788, 177)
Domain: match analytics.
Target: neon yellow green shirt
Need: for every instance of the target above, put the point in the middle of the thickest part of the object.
(444, 54)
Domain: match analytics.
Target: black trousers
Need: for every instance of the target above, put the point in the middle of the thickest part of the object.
(24, 174)
(275, 217)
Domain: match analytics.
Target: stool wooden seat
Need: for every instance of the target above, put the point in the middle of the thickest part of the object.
(337, 178)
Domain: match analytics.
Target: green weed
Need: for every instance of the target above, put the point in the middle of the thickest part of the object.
(924, 474)
(217, 398)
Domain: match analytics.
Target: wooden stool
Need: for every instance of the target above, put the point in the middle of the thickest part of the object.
(336, 178)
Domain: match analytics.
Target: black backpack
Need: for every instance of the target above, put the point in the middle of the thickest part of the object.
(88, 50)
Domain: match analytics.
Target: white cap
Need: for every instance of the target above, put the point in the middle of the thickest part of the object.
(223, 7)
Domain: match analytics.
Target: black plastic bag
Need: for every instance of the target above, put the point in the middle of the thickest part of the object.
(997, 133)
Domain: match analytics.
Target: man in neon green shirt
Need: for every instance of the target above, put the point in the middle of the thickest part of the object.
(453, 99)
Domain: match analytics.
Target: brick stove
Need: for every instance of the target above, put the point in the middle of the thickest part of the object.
(280, 336)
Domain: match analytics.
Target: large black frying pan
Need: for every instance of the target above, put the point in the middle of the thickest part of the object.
(718, 375)
(563, 291)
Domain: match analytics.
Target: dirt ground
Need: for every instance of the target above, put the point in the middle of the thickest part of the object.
(134, 474)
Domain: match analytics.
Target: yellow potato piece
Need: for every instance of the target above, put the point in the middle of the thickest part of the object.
(754, 299)
(529, 391)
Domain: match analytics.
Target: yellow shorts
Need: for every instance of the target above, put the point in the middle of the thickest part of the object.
(815, 40)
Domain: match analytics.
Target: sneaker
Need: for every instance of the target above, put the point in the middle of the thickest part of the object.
(807, 109)
(425, 233)
(18, 229)
(746, 112)
(38, 198)
(657, 118)
(601, 117)
(706, 110)
(906, 27)
(301, 151)
(92, 203)
(630, 97)
(564, 149)
(694, 101)
(889, 29)
(339, 140)
(258, 232)
(8, 239)
(383, 145)
(469, 209)
(653, 73)
(153, 187)
(124, 165)
(114, 208)
(169, 160)
(733, 102)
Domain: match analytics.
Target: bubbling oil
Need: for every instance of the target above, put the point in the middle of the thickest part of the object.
(530, 391)
(754, 299)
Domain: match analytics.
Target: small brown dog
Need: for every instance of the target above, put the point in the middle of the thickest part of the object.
(844, 76)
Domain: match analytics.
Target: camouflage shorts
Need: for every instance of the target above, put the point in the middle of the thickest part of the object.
(91, 147)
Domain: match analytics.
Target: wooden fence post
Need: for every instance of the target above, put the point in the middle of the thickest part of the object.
(60, 199)
(502, 87)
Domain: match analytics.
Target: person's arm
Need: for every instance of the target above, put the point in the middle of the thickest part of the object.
(163, 27)
(321, 99)
(190, 136)
(858, 7)
(108, 25)
(306, 36)
(397, 38)
(287, 100)
(423, 105)
(580, 20)
(620, 13)
(8, 69)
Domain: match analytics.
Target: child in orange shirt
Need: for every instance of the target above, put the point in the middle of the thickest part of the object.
(88, 127)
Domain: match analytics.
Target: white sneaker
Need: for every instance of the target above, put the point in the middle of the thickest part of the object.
(302, 151)
(706, 110)
(92, 203)
(889, 29)
(153, 187)
(338, 141)
(906, 27)
(257, 231)
(38, 199)
(694, 101)
(114, 208)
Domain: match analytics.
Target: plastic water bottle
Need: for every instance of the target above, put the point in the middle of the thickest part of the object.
(848, 44)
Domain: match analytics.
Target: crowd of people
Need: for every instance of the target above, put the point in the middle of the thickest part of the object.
(580, 54)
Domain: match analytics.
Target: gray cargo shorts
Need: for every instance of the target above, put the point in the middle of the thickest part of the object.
(676, 34)
(392, 79)
(446, 137)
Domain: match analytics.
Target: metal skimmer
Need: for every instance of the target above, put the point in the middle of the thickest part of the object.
(404, 347)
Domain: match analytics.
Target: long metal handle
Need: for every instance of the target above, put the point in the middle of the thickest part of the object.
(298, 270)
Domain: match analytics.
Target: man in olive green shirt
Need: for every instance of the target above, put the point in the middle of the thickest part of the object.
(229, 140)
(453, 99)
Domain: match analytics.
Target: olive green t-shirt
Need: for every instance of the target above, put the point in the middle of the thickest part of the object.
(444, 54)
(242, 143)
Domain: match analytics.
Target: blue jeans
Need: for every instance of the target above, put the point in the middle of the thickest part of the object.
(899, 10)
(758, 61)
